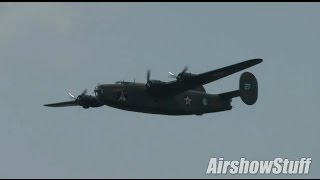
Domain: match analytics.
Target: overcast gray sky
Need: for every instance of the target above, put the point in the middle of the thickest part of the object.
(50, 49)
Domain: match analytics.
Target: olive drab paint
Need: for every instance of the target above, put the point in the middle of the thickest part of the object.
(183, 96)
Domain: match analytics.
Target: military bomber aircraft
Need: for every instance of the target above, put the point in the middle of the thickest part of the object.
(183, 96)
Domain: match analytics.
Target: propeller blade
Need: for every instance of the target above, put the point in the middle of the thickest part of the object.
(148, 74)
(71, 95)
(84, 92)
(185, 69)
(172, 75)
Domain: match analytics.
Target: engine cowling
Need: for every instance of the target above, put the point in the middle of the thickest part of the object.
(185, 77)
(87, 101)
(154, 86)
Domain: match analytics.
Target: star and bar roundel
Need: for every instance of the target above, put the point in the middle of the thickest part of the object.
(188, 100)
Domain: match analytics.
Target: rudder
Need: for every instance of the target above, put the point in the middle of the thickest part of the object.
(248, 87)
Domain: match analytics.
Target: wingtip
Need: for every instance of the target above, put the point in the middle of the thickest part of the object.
(259, 60)
(256, 60)
(48, 105)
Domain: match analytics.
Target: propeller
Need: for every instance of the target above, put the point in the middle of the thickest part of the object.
(148, 84)
(184, 70)
(172, 75)
(72, 96)
(148, 75)
(84, 92)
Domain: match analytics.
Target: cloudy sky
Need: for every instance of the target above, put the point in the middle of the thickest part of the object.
(50, 49)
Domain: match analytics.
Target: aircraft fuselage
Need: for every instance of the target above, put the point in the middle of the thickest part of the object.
(133, 96)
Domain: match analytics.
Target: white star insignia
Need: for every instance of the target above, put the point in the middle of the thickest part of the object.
(188, 100)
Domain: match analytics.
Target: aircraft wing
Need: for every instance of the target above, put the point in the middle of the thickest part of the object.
(63, 104)
(176, 87)
(214, 75)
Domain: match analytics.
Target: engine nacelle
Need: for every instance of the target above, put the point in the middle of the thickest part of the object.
(154, 84)
(185, 77)
(87, 101)
(154, 87)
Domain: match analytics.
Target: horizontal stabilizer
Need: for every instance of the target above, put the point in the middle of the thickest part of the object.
(230, 95)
